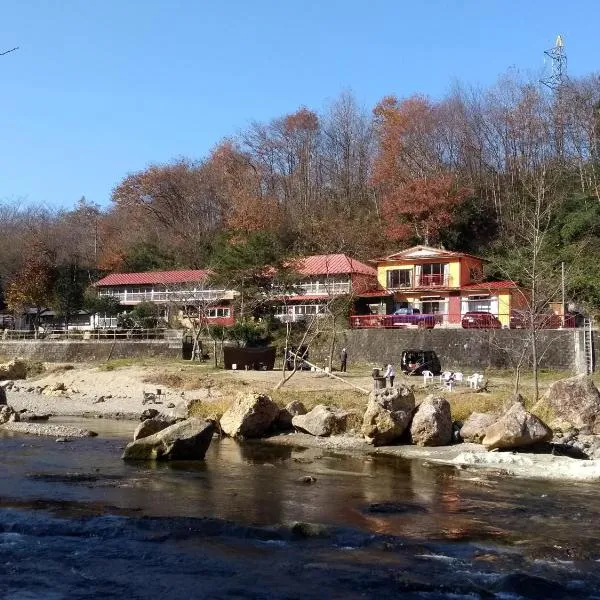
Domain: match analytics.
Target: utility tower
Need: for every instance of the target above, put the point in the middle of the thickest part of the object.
(558, 75)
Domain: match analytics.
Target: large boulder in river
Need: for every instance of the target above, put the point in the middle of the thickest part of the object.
(291, 410)
(151, 426)
(8, 414)
(184, 440)
(249, 416)
(473, 429)
(517, 428)
(13, 369)
(387, 415)
(572, 402)
(432, 423)
(322, 421)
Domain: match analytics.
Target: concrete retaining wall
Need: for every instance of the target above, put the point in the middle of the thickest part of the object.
(84, 351)
(557, 349)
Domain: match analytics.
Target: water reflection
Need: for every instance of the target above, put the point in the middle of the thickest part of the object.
(255, 483)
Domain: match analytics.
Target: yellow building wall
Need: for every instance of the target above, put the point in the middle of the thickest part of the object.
(454, 271)
(504, 306)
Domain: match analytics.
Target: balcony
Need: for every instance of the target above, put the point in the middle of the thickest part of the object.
(331, 288)
(165, 296)
(435, 280)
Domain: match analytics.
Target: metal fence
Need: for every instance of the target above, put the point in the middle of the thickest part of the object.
(75, 335)
(469, 320)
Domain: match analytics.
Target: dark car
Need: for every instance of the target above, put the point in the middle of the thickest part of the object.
(476, 319)
(414, 362)
(521, 319)
(409, 316)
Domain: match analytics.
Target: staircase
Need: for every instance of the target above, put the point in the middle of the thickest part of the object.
(588, 346)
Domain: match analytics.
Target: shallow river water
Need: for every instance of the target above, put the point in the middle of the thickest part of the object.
(78, 522)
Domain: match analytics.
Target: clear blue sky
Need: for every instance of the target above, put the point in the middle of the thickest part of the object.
(100, 88)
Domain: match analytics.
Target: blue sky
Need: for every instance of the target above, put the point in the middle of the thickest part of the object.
(100, 88)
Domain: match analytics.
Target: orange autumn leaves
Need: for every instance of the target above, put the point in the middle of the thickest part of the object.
(418, 192)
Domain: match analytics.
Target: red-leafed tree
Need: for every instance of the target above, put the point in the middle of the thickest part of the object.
(418, 194)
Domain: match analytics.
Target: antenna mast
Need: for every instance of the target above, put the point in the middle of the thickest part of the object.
(558, 57)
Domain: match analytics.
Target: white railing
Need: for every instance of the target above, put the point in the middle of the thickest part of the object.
(325, 289)
(126, 297)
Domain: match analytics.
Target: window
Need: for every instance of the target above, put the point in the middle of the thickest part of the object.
(399, 278)
(479, 304)
(215, 313)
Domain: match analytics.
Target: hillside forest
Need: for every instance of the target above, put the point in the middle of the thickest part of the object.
(510, 172)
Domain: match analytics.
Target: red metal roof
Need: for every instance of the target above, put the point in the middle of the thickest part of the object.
(491, 285)
(153, 277)
(331, 264)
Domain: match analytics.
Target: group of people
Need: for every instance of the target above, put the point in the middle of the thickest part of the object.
(389, 370)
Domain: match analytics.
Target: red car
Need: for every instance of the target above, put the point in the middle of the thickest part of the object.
(480, 320)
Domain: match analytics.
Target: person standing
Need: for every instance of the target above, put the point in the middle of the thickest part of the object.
(343, 359)
(390, 373)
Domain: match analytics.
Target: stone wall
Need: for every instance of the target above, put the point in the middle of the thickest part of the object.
(84, 351)
(464, 348)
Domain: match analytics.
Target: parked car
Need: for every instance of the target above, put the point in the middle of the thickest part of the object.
(414, 362)
(409, 316)
(476, 319)
(521, 319)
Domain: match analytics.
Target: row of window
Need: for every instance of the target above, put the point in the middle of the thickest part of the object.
(299, 309)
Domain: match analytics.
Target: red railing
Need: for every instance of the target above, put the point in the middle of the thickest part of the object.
(470, 320)
(437, 279)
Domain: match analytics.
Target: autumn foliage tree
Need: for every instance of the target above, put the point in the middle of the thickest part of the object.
(418, 193)
(33, 285)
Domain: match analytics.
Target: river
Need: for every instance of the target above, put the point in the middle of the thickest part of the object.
(78, 522)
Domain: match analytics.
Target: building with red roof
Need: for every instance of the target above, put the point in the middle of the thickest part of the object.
(322, 277)
(432, 281)
(169, 288)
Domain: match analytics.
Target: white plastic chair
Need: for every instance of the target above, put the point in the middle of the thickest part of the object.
(445, 377)
(475, 380)
(427, 375)
(458, 377)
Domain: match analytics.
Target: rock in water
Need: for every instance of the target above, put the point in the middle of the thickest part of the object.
(149, 413)
(432, 423)
(322, 421)
(387, 415)
(151, 426)
(8, 414)
(292, 409)
(515, 429)
(249, 416)
(184, 440)
(473, 429)
(571, 402)
(13, 369)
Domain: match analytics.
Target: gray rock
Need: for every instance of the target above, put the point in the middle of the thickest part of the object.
(50, 430)
(13, 369)
(473, 429)
(151, 426)
(184, 440)
(292, 409)
(98, 400)
(517, 428)
(322, 421)
(149, 413)
(571, 402)
(387, 415)
(8, 414)
(432, 423)
(249, 416)
(31, 417)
